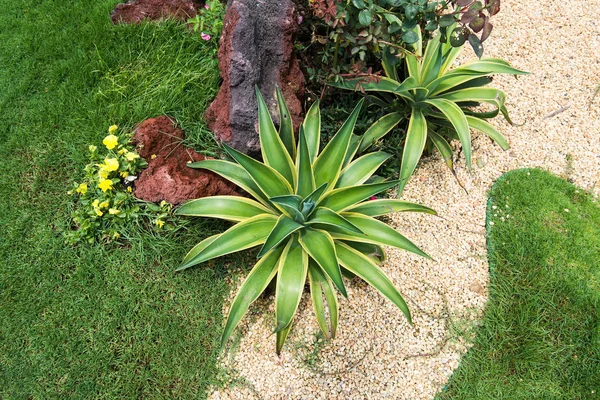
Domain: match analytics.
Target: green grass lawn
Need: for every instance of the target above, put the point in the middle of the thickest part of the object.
(540, 337)
(96, 321)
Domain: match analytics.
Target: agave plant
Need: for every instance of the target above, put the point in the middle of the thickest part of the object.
(435, 100)
(312, 218)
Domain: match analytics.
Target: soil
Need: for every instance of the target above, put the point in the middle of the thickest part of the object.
(136, 11)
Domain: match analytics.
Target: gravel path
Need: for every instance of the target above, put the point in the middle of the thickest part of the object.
(377, 355)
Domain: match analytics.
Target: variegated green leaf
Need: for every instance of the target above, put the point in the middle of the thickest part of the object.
(491, 66)
(362, 266)
(231, 208)
(373, 251)
(379, 129)
(281, 231)
(325, 216)
(291, 276)
(361, 169)
(306, 178)
(328, 164)
(319, 246)
(443, 147)
(273, 150)
(376, 208)
(289, 205)
(255, 283)
(416, 136)
(312, 130)
(199, 247)
(242, 236)
(319, 285)
(281, 337)
(340, 199)
(485, 127)
(286, 127)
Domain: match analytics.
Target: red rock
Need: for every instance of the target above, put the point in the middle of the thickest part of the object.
(135, 11)
(256, 48)
(168, 177)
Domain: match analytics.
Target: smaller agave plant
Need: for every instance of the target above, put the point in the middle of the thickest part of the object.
(435, 100)
(313, 218)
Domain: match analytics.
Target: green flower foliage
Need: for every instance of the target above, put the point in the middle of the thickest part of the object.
(435, 101)
(311, 217)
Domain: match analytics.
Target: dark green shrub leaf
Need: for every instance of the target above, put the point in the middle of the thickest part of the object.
(476, 45)
(409, 24)
(477, 23)
(410, 37)
(431, 26)
(458, 37)
(447, 20)
(365, 17)
(463, 3)
(411, 11)
(360, 4)
(476, 6)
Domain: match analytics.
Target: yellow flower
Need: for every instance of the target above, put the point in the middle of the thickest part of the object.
(153, 156)
(129, 189)
(131, 155)
(113, 211)
(105, 184)
(160, 223)
(82, 188)
(95, 203)
(104, 204)
(112, 129)
(111, 141)
(98, 212)
(111, 164)
(92, 148)
(124, 174)
(103, 173)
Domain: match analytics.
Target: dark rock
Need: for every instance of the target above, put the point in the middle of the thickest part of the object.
(256, 48)
(135, 11)
(158, 140)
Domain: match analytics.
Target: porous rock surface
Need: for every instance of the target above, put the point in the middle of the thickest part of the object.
(136, 11)
(256, 48)
(377, 354)
(158, 140)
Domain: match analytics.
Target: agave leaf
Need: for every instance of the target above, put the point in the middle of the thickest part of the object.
(273, 150)
(281, 337)
(450, 55)
(355, 141)
(416, 136)
(329, 163)
(488, 129)
(231, 208)
(432, 61)
(315, 196)
(491, 66)
(342, 198)
(387, 61)
(286, 128)
(325, 216)
(306, 178)
(379, 85)
(312, 130)
(451, 80)
(361, 265)
(379, 129)
(290, 205)
(414, 68)
(271, 182)
(199, 247)
(376, 208)
(235, 174)
(281, 231)
(242, 236)
(492, 96)
(320, 284)
(443, 147)
(373, 251)
(361, 169)
(458, 120)
(255, 283)
(376, 232)
(319, 246)
(291, 276)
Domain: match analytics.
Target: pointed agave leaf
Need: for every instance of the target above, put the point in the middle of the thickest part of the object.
(451, 80)
(416, 136)
(355, 141)
(289, 204)
(362, 169)
(458, 120)
(319, 285)
(325, 216)
(271, 182)
(376, 208)
(491, 96)
(291, 276)
(380, 85)
(388, 64)
(281, 337)
(373, 251)
(361, 265)
(315, 196)
(312, 130)
(414, 68)
(255, 283)
(450, 55)
(281, 231)
(443, 147)
(234, 173)
(319, 246)
(199, 247)
(340, 199)
(376, 232)
(379, 129)
(306, 179)
(286, 128)
(491, 66)
(273, 150)
(242, 236)
(432, 65)
(231, 208)
(329, 163)
(488, 129)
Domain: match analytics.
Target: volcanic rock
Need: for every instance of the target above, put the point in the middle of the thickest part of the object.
(135, 11)
(158, 140)
(256, 48)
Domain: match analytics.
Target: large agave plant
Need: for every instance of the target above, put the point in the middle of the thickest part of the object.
(312, 218)
(435, 100)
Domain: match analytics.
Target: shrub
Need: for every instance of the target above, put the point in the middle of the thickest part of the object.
(312, 218)
(209, 20)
